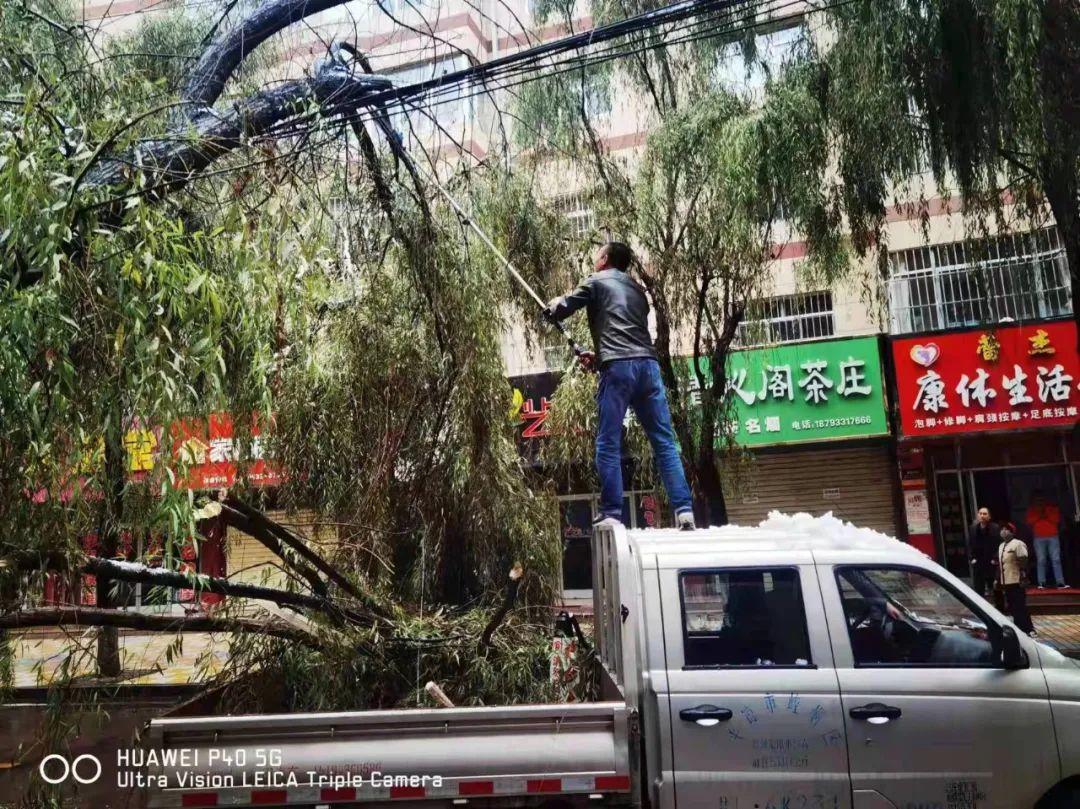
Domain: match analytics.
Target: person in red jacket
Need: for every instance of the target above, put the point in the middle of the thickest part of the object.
(1044, 519)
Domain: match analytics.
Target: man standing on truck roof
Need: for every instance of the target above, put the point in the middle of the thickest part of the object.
(618, 314)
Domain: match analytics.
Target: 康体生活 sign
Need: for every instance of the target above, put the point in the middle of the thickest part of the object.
(992, 378)
(799, 392)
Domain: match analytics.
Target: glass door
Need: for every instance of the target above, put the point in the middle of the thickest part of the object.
(952, 523)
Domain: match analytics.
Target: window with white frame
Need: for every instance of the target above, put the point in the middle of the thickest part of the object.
(788, 319)
(578, 213)
(440, 114)
(1010, 277)
(772, 50)
(641, 509)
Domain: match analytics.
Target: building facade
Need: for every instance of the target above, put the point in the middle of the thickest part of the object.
(950, 383)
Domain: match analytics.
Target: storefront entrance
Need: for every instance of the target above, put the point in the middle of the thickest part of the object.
(1007, 492)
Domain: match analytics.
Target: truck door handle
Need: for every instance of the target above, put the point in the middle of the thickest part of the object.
(876, 713)
(705, 715)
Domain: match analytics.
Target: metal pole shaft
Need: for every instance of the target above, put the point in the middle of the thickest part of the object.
(491, 245)
(510, 268)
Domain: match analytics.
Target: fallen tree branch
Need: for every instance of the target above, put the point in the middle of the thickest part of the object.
(160, 577)
(259, 521)
(221, 59)
(171, 162)
(240, 522)
(93, 616)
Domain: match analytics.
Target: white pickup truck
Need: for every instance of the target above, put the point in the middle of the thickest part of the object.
(800, 664)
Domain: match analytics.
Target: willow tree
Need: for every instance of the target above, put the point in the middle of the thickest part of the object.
(987, 92)
(724, 178)
(164, 259)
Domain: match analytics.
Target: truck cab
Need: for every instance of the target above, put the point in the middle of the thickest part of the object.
(807, 663)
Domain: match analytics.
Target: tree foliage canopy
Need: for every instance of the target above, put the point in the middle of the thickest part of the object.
(301, 282)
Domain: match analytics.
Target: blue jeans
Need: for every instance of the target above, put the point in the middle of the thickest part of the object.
(1048, 546)
(636, 383)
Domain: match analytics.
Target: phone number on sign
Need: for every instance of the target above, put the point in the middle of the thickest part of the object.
(821, 424)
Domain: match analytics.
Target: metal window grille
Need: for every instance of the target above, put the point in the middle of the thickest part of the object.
(578, 213)
(788, 319)
(1013, 277)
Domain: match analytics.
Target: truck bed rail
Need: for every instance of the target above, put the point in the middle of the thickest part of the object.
(453, 754)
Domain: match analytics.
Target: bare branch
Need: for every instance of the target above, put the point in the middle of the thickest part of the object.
(261, 522)
(260, 533)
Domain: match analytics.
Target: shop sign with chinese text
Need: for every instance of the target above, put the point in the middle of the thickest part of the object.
(819, 391)
(206, 449)
(996, 378)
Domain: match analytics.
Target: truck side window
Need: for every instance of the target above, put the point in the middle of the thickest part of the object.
(901, 616)
(743, 617)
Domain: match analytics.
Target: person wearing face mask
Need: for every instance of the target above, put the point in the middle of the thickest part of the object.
(1012, 558)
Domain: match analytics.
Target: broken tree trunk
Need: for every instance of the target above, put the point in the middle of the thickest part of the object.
(159, 577)
(512, 587)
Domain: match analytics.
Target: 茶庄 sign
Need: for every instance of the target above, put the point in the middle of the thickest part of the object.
(819, 391)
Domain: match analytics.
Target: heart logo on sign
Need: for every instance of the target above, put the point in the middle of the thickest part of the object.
(925, 355)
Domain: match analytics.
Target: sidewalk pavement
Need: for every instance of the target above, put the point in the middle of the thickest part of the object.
(1062, 632)
(150, 659)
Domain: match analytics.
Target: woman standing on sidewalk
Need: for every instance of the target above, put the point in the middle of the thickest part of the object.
(1012, 575)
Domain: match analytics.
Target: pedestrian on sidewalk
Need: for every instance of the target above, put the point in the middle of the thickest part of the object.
(1012, 559)
(618, 313)
(984, 535)
(1044, 518)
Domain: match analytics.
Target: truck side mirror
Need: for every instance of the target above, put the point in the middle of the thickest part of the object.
(1012, 654)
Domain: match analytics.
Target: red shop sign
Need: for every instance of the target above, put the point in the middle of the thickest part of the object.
(994, 378)
(207, 447)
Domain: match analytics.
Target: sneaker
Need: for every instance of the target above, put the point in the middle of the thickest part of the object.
(1041, 587)
(602, 520)
(685, 521)
(1063, 587)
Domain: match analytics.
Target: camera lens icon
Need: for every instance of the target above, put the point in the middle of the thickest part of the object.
(80, 769)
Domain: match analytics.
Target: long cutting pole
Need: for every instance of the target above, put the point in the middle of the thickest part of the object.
(510, 268)
(399, 148)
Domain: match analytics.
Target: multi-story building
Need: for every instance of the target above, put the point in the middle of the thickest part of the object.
(977, 329)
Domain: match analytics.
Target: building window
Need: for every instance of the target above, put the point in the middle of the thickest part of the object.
(1012, 277)
(444, 114)
(578, 213)
(641, 509)
(772, 51)
(788, 319)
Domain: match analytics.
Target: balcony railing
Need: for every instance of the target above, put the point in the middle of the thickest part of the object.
(1022, 277)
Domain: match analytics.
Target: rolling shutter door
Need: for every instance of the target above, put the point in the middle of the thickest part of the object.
(855, 484)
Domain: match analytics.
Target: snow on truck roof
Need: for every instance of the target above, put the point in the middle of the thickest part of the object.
(800, 531)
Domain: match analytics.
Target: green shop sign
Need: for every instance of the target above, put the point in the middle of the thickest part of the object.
(819, 391)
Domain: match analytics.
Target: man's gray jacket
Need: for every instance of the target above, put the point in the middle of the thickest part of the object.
(618, 315)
